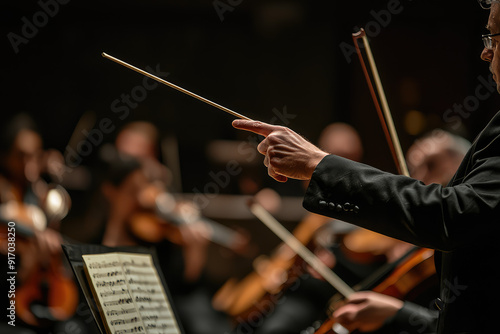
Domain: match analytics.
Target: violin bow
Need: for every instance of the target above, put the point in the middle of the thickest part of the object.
(291, 241)
(384, 113)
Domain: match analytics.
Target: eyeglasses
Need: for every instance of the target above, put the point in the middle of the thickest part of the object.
(486, 4)
(488, 41)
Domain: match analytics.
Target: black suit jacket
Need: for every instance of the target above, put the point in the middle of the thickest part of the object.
(460, 221)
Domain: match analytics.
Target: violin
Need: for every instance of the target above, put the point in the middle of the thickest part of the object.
(411, 275)
(46, 292)
(163, 216)
(272, 274)
(49, 295)
(365, 246)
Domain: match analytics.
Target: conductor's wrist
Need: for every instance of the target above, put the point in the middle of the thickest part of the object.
(314, 162)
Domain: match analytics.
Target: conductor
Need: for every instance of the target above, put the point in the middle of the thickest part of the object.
(459, 221)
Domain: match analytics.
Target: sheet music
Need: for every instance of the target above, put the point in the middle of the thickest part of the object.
(130, 294)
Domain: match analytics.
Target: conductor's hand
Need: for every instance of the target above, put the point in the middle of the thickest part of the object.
(287, 154)
(366, 311)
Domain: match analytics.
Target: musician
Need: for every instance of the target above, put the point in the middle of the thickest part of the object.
(21, 167)
(457, 220)
(140, 140)
(433, 158)
(121, 187)
(307, 300)
(23, 160)
(127, 188)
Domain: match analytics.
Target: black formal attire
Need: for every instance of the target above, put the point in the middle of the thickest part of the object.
(460, 221)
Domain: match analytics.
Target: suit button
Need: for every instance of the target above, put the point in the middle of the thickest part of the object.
(332, 206)
(439, 304)
(347, 206)
(323, 204)
(338, 208)
(356, 209)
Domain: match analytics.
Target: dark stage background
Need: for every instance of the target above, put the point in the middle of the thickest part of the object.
(259, 58)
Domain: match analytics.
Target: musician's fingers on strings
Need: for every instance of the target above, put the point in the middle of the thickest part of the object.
(257, 127)
(346, 316)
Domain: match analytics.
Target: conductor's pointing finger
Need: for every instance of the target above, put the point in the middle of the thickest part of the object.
(257, 127)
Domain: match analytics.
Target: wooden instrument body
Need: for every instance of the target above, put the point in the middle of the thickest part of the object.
(45, 289)
(152, 223)
(412, 277)
(272, 275)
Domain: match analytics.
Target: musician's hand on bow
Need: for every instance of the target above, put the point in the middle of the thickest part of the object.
(366, 311)
(287, 154)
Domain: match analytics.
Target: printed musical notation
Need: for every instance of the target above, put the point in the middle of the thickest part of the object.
(130, 294)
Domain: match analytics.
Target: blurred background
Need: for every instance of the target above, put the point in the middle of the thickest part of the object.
(285, 62)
